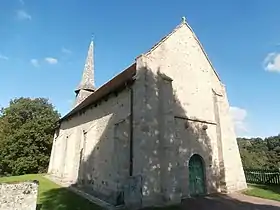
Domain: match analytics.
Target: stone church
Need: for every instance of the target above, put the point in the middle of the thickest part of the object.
(157, 133)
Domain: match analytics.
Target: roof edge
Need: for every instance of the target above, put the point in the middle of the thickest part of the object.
(107, 88)
(184, 23)
(203, 50)
(155, 46)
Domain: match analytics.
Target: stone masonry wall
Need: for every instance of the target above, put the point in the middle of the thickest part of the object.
(163, 151)
(92, 149)
(233, 169)
(18, 196)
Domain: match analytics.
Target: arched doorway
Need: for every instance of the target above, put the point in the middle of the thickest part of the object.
(196, 176)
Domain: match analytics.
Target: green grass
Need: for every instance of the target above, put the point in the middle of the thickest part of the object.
(52, 196)
(271, 192)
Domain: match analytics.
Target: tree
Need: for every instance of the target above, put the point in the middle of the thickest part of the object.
(253, 152)
(260, 153)
(26, 132)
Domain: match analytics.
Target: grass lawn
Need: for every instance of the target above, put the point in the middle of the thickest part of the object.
(271, 192)
(54, 197)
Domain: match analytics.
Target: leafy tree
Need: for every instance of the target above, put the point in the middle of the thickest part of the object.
(253, 152)
(26, 132)
(260, 153)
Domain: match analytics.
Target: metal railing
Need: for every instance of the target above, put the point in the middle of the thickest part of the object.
(262, 176)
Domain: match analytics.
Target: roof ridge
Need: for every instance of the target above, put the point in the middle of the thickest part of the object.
(183, 22)
(164, 38)
(203, 50)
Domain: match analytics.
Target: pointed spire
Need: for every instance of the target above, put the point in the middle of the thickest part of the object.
(87, 82)
(86, 86)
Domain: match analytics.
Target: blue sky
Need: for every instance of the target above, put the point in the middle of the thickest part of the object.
(43, 45)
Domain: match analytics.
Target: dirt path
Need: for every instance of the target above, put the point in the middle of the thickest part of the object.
(229, 202)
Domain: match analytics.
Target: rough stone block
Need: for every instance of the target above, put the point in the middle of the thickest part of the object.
(19, 196)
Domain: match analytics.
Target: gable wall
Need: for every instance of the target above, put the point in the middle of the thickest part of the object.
(163, 144)
(181, 58)
(189, 95)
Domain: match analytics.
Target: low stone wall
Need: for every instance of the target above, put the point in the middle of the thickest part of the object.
(19, 196)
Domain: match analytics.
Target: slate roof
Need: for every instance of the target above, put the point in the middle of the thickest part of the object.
(112, 85)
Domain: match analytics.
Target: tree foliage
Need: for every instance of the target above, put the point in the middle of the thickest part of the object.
(258, 153)
(26, 132)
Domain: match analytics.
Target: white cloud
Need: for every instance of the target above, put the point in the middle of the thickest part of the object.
(51, 60)
(272, 62)
(66, 51)
(23, 15)
(34, 62)
(239, 118)
(70, 101)
(21, 2)
(3, 57)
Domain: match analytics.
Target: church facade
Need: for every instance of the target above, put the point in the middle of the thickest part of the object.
(158, 132)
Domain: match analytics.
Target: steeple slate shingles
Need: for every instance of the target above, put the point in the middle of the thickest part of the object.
(87, 82)
(86, 86)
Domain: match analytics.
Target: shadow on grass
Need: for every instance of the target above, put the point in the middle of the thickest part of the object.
(64, 199)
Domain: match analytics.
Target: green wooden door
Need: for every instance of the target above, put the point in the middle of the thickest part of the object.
(196, 176)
